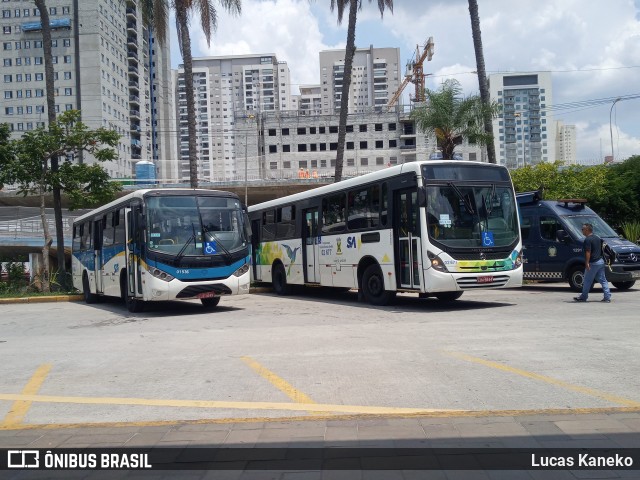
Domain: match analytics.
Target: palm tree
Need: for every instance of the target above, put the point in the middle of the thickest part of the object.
(482, 74)
(451, 117)
(51, 117)
(156, 14)
(354, 6)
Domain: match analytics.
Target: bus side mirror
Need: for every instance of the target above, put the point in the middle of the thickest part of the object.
(562, 236)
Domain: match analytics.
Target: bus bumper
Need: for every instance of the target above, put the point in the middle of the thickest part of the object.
(179, 290)
(451, 282)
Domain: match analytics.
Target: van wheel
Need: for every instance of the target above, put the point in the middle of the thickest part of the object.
(576, 278)
(624, 285)
(210, 302)
(448, 296)
(89, 297)
(373, 287)
(279, 280)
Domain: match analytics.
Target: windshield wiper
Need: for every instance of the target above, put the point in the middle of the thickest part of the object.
(493, 194)
(186, 244)
(465, 200)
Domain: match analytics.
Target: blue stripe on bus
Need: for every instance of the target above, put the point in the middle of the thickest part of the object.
(203, 273)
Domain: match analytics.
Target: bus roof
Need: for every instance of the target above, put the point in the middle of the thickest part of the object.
(364, 179)
(150, 191)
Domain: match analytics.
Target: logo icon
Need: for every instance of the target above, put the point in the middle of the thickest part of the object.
(553, 251)
(210, 248)
(633, 257)
(487, 239)
(339, 246)
(23, 458)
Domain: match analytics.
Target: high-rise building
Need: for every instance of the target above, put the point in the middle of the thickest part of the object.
(524, 133)
(566, 143)
(106, 64)
(375, 78)
(250, 84)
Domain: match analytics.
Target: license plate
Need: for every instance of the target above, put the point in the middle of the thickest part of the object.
(635, 274)
(206, 295)
(485, 279)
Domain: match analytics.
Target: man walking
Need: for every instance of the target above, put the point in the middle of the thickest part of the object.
(594, 265)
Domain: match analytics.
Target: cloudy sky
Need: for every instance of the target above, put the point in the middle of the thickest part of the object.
(592, 49)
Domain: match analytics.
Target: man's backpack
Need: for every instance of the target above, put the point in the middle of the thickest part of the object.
(607, 253)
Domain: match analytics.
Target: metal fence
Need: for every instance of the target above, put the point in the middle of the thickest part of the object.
(25, 222)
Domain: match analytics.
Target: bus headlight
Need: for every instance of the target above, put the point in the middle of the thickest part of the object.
(436, 262)
(242, 270)
(156, 272)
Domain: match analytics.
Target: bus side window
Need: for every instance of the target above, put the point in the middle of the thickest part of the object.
(107, 230)
(118, 227)
(76, 237)
(384, 205)
(85, 236)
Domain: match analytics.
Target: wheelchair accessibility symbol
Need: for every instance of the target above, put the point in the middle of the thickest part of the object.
(210, 248)
(487, 239)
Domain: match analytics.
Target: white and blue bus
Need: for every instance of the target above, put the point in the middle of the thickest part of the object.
(163, 244)
(436, 228)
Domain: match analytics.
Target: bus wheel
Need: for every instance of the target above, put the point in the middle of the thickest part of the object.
(576, 278)
(86, 291)
(279, 280)
(373, 287)
(624, 285)
(448, 296)
(210, 302)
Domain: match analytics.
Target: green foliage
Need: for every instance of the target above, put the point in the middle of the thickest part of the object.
(26, 161)
(451, 117)
(612, 191)
(631, 231)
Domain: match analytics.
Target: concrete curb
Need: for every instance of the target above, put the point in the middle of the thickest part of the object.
(50, 299)
(78, 298)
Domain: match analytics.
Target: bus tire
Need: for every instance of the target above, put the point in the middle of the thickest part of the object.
(448, 296)
(210, 302)
(373, 287)
(624, 285)
(89, 297)
(279, 280)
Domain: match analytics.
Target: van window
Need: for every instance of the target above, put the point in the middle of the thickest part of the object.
(549, 226)
(525, 227)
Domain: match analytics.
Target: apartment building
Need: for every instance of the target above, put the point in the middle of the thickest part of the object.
(251, 84)
(524, 131)
(106, 64)
(374, 80)
(566, 143)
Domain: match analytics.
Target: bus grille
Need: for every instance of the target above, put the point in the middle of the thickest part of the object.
(495, 255)
(194, 290)
(472, 282)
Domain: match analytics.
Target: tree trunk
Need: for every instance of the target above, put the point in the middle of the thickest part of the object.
(51, 116)
(482, 75)
(181, 16)
(349, 53)
(44, 280)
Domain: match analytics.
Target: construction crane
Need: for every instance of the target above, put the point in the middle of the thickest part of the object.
(415, 73)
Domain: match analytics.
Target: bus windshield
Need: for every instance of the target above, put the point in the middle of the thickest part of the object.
(195, 225)
(464, 216)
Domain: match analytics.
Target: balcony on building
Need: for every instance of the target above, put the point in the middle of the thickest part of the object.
(132, 27)
(134, 99)
(134, 114)
(132, 55)
(133, 70)
(131, 13)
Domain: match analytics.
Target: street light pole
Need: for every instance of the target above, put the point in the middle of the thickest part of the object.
(610, 127)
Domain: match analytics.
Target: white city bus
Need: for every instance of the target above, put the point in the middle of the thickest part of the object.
(436, 228)
(163, 244)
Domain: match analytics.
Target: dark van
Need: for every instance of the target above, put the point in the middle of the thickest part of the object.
(552, 241)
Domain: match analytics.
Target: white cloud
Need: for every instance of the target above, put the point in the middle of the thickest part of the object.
(588, 47)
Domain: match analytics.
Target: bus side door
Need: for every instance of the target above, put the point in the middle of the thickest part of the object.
(311, 254)
(134, 250)
(256, 231)
(407, 231)
(97, 252)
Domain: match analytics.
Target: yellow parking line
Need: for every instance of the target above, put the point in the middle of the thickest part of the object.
(210, 404)
(553, 381)
(280, 383)
(20, 408)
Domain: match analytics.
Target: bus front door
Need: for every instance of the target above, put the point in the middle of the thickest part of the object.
(133, 252)
(407, 217)
(311, 254)
(255, 245)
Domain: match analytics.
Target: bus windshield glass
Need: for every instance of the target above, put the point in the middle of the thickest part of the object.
(600, 227)
(464, 216)
(195, 225)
